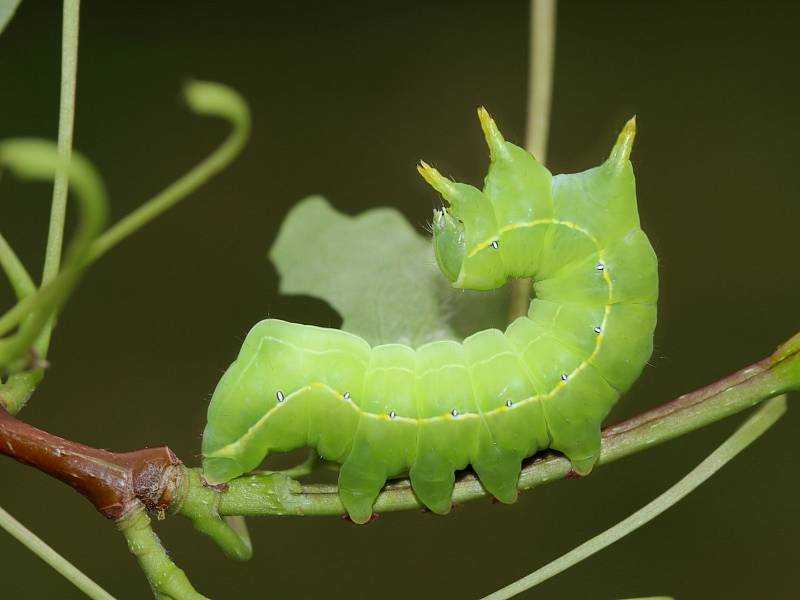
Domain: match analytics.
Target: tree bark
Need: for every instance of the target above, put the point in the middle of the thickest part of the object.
(109, 480)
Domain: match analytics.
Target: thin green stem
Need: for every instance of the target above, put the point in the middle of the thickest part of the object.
(166, 579)
(17, 275)
(751, 430)
(200, 504)
(204, 98)
(35, 544)
(542, 48)
(66, 122)
(18, 388)
(303, 469)
(38, 159)
(277, 494)
(541, 56)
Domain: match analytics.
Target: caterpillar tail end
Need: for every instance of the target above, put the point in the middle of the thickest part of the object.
(621, 152)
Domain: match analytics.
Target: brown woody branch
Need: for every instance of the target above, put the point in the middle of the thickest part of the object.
(112, 481)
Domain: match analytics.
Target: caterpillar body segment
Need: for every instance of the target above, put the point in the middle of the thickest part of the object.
(547, 381)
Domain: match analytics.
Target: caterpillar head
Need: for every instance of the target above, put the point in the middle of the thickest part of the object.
(465, 234)
(448, 243)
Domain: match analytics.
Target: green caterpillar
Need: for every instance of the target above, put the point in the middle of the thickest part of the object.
(548, 381)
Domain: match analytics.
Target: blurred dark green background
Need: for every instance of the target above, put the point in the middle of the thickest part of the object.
(346, 98)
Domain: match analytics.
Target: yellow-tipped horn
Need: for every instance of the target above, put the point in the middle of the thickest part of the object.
(494, 139)
(621, 151)
(436, 180)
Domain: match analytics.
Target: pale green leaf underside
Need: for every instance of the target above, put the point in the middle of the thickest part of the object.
(379, 274)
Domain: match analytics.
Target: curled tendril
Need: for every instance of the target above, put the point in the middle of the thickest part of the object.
(36, 159)
(17, 275)
(204, 98)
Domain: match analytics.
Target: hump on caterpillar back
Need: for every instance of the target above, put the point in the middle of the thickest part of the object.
(601, 200)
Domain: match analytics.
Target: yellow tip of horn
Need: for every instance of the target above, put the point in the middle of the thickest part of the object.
(435, 179)
(621, 151)
(494, 139)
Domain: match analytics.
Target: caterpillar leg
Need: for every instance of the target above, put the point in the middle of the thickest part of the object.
(432, 479)
(508, 436)
(360, 481)
(498, 468)
(383, 446)
(574, 417)
(445, 439)
(578, 441)
(582, 456)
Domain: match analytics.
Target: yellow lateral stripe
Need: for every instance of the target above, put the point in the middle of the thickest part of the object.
(486, 244)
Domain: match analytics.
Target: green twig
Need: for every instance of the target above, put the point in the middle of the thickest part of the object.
(541, 55)
(35, 159)
(166, 579)
(39, 160)
(66, 121)
(35, 544)
(542, 49)
(305, 468)
(17, 275)
(200, 504)
(18, 388)
(277, 494)
(751, 430)
(204, 98)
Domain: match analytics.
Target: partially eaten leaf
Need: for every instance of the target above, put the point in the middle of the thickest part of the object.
(379, 274)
